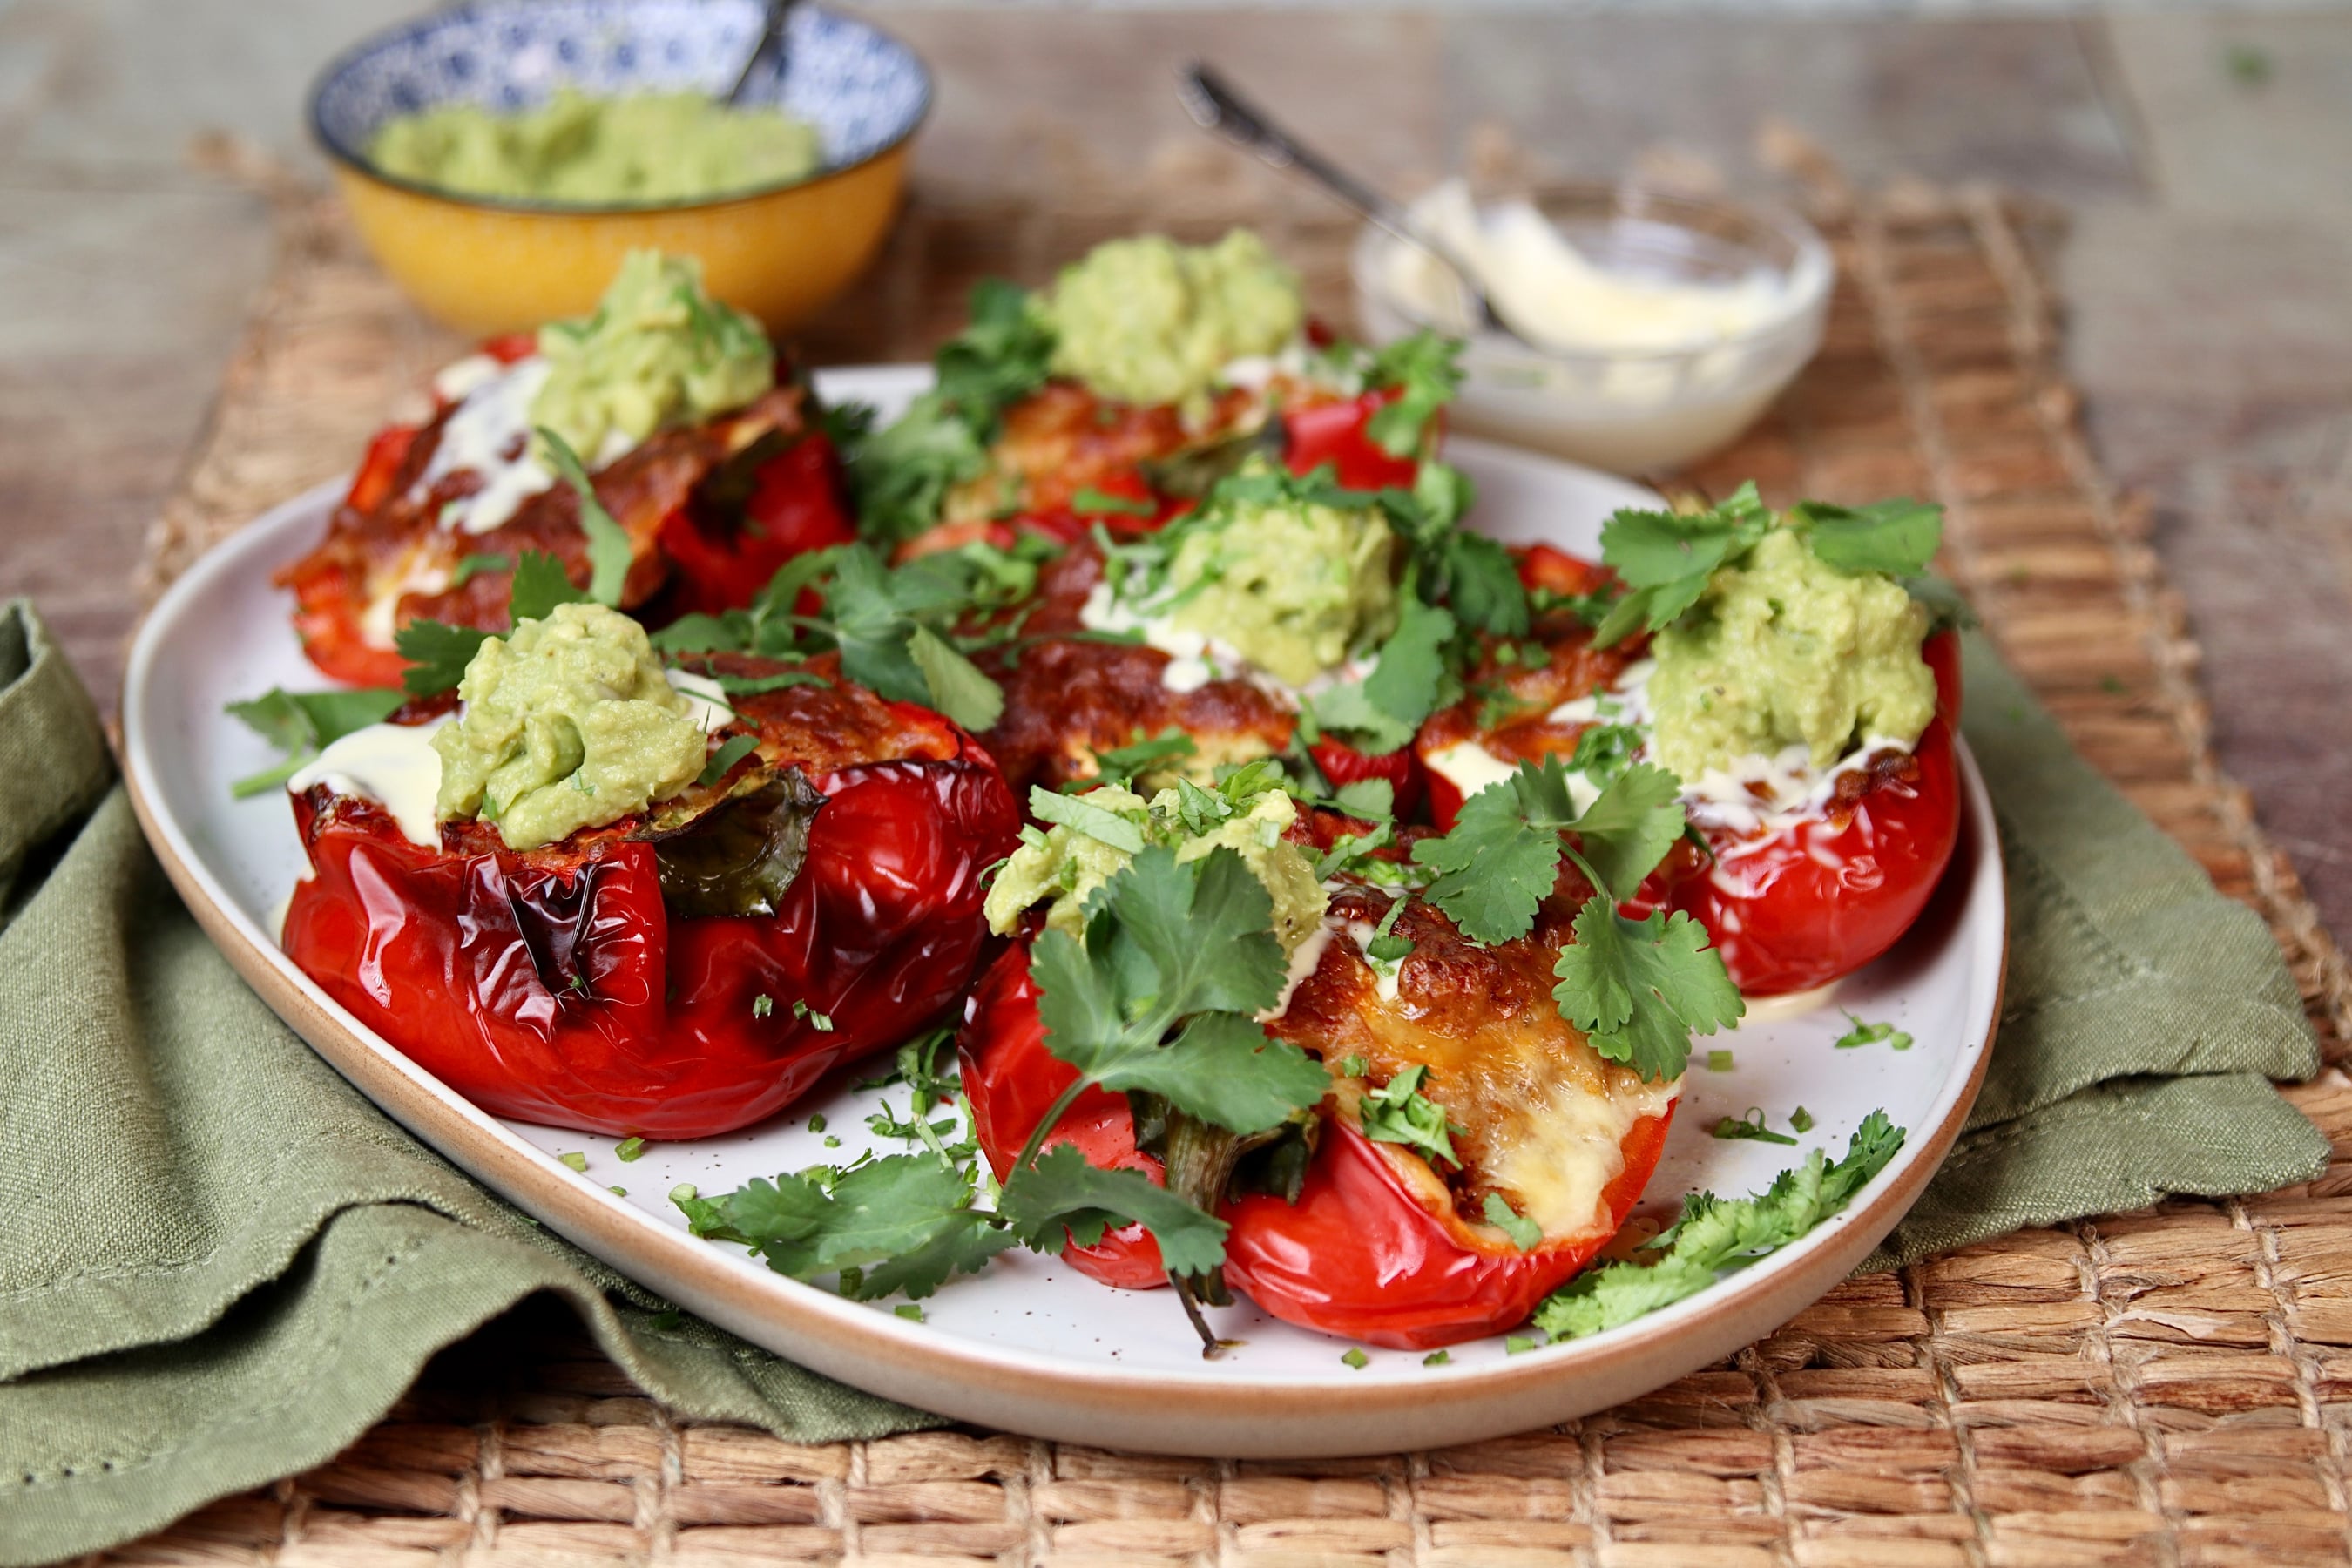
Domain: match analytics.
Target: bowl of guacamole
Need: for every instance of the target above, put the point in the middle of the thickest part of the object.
(500, 159)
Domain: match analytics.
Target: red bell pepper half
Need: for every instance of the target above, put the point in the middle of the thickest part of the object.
(1375, 1244)
(665, 978)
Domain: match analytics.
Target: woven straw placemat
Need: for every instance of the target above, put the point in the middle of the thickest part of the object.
(2167, 1388)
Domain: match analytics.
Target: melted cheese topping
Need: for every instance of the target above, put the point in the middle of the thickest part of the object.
(1561, 1154)
(392, 765)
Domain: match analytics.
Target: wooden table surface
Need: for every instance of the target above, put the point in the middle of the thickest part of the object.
(2205, 161)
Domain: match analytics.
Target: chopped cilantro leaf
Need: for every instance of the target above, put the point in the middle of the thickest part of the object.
(1518, 1344)
(540, 585)
(1864, 1033)
(1122, 764)
(1424, 368)
(1089, 501)
(470, 565)
(762, 1005)
(723, 761)
(958, 688)
(1436, 1358)
(1060, 1191)
(1639, 989)
(1082, 816)
(1750, 1127)
(1354, 1356)
(1523, 1232)
(1398, 1112)
(1897, 537)
(438, 655)
(911, 1311)
(1714, 1233)
(609, 551)
(1802, 1119)
(304, 723)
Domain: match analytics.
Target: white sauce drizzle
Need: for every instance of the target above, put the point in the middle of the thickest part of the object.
(1385, 972)
(393, 764)
(706, 698)
(1469, 768)
(420, 574)
(492, 419)
(1303, 960)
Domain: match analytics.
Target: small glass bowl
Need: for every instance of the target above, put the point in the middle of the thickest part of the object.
(1631, 411)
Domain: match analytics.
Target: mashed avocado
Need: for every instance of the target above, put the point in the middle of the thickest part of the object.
(1782, 649)
(645, 148)
(1150, 320)
(569, 723)
(1062, 867)
(1292, 585)
(659, 350)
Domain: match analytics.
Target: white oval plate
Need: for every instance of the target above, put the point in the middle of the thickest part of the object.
(1031, 1345)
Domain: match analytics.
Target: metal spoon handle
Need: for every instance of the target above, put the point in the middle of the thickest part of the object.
(771, 47)
(1213, 105)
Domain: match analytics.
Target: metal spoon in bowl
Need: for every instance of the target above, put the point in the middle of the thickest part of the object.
(1213, 105)
(771, 46)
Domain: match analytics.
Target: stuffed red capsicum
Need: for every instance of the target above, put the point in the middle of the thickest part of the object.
(669, 401)
(1805, 697)
(810, 890)
(1473, 1151)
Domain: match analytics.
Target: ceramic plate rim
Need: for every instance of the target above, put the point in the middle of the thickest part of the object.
(966, 1379)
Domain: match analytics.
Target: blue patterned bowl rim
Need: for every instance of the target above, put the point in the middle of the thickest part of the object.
(364, 85)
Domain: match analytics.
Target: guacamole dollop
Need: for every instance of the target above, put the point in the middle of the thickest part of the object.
(1149, 321)
(1294, 586)
(1062, 867)
(647, 147)
(1783, 650)
(659, 350)
(569, 723)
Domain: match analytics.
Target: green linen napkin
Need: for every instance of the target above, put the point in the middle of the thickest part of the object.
(218, 1264)
(2143, 1017)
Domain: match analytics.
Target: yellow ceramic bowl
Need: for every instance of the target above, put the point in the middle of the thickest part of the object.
(488, 266)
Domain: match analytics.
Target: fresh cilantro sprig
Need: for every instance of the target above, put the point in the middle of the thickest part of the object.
(1122, 765)
(1714, 1233)
(901, 474)
(438, 653)
(1665, 558)
(902, 1222)
(303, 724)
(609, 552)
(1426, 370)
(1638, 988)
(1398, 1112)
(895, 628)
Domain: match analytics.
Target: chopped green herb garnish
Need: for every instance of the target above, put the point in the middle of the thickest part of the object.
(628, 1149)
(1523, 1232)
(1719, 1060)
(1714, 1233)
(762, 1004)
(1864, 1033)
(1398, 1112)
(1356, 1358)
(817, 1121)
(1436, 1358)
(1750, 1127)
(911, 1311)
(723, 761)
(576, 1160)
(1802, 1119)
(1518, 1344)
(304, 723)
(1089, 501)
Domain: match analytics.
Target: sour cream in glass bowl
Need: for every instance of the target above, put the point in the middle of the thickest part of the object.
(1658, 327)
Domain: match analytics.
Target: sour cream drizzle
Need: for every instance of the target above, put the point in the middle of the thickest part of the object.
(392, 765)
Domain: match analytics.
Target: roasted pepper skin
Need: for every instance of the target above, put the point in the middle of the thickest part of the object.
(1011, 1081)
(1360, 1257)
(1338, 433)
(1358, 1254)
(569, 993)
(1819, 900)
